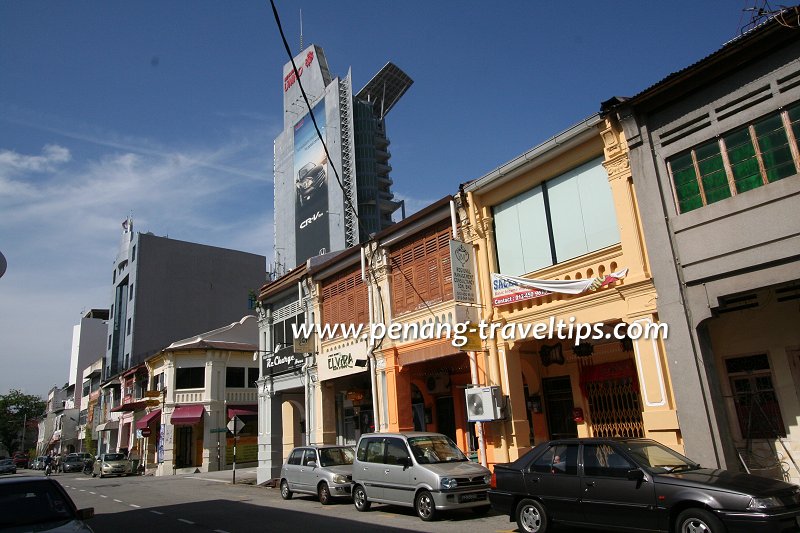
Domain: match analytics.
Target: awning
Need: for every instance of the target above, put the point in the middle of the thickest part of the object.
(242, 410)
(146, 419)
(187, 414)
(111, 425)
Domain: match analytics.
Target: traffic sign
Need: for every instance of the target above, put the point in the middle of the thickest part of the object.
(146, 432)
(235, 425)
(218, 430)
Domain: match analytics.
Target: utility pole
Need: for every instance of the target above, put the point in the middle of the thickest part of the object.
(24, 423)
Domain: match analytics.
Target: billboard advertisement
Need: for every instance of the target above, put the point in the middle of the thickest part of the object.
(311, 187)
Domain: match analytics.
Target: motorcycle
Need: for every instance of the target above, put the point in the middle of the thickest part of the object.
(48, 470)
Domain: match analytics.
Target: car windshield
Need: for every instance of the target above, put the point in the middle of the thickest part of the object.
(34, 502)
(6, 462)
(435, 449)
(658, 458)
(73, 460)
(113, 457)
(336, 456)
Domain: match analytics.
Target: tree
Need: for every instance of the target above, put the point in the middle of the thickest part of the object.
(15, 407)
(88, 442)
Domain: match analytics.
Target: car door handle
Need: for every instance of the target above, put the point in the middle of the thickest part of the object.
(386, 472)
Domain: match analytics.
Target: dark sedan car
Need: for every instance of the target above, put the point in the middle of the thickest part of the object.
(39, 504)
(637, 485)
(72, 463)
(310, 179)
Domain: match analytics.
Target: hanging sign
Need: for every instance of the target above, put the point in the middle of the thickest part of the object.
(510, 289)
(462, 267)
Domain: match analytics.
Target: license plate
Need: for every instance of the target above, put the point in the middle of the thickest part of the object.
(472, 497)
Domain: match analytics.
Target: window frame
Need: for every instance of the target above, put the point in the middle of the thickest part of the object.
(752, 375)
(759, 155)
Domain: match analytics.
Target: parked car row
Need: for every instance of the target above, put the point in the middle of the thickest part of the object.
(616, 484)
(425, 471)
(7, 466)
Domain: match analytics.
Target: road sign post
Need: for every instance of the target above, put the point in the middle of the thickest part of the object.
(235, 426)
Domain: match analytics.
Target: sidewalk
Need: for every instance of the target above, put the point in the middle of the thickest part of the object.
(245, 476)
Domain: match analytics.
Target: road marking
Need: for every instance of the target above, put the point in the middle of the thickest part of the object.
(134, 505)
(103, 496)
(83, 490)
(207, 479)
(118, 501)
(185, 521)
(90, 492)
(157, 512)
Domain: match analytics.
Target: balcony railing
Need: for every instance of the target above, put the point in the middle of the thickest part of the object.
(189, 396)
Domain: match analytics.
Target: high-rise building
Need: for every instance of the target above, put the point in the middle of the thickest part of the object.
(164, 289)
(320, 196)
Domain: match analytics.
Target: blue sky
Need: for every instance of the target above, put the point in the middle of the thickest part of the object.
(167, 111)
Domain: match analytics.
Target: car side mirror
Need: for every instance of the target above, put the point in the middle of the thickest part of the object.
(85, 514)
(312, 464)
(404, 461)
(635, 475)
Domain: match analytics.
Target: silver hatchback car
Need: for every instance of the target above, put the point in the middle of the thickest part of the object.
(323, 470)
(425, 471)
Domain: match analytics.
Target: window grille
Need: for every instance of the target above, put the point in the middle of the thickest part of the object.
(615, 408)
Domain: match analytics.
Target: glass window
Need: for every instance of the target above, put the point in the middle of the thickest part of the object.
(310, 456)
(757, 408)
(756, 154)
(576, 206)
(396, 451)
(130, 293)
(558, 459)
(336, 456)
(190, 378)
(582, 211)
(295, 456)
(371, 450)
(435, 449)
(774, 147)
(234, 377)
(603, 461)
(252, 377)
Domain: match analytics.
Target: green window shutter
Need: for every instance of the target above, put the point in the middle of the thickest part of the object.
(712, 172)
(743, 160)
(684, 178)
(774, 146)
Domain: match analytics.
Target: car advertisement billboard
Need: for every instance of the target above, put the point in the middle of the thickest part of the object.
(311, 187)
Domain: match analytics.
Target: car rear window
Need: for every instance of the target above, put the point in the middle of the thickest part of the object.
(28, 503)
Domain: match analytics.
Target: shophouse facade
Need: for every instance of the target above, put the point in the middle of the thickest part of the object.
(284, 391)
(89, 415)
(716, 165)
(566, 210)
(199, 384)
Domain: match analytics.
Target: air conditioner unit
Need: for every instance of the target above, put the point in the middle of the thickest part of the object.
(484, 404)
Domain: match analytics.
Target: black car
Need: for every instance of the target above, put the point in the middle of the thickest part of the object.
(39, 504)
(72, 463)
(637, 485)
(310, 179)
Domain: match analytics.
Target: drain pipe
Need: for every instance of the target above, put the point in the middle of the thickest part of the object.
(473, 362)
(371, 349)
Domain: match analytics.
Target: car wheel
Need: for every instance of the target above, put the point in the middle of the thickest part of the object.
(360, 499)
(531, 517)
(698, 521)
(324, 493)
(286, 494)
(425, 506)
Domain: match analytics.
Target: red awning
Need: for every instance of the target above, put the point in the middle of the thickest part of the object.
(187, 414)
(242, 410)
(146, 419)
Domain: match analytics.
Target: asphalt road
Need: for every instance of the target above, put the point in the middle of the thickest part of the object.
(195, 504)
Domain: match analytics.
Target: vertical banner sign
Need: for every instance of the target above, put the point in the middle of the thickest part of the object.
(161, 444)
(463, 270)
(311, 186)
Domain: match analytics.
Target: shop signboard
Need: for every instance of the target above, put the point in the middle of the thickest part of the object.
(283, 361)
(342, 359)
(304, 344)
(462, 266)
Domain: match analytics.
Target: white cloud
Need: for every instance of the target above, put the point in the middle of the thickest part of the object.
(60, 228)
(52, 155)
